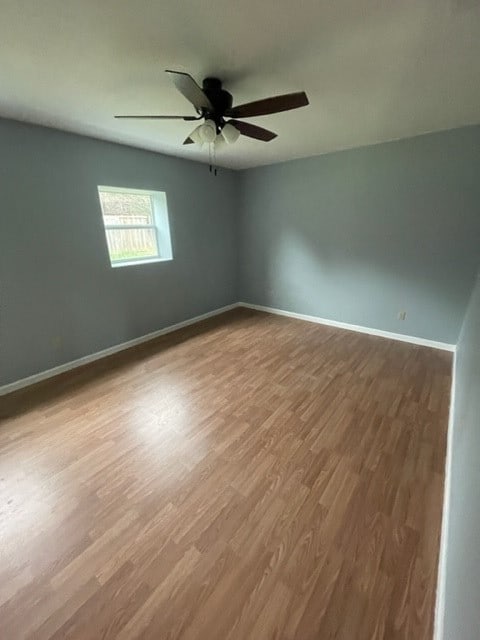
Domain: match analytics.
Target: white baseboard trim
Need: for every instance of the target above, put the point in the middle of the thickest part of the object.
(424, 342)
(438, 633)
(73, 364)
(43, 375)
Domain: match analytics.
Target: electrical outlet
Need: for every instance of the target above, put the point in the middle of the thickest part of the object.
(402, 315)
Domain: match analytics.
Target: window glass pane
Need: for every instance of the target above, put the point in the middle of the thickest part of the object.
(136, 225)
(126, 208)
(131, 244)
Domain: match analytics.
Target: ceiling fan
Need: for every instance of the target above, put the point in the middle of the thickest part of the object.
(213, 104)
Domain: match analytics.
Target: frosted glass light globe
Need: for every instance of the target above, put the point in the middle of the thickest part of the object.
(208, 131)
(230, 133)
(196, 136)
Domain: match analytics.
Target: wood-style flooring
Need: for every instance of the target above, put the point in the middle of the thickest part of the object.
(248, 478)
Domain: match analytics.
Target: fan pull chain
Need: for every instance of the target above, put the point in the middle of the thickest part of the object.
(212, 158)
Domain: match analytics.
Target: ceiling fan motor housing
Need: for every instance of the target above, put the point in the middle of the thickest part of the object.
(221, 101)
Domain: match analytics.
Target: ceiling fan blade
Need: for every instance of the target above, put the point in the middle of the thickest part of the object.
(160, 117)
(190, 89)
(252, 131)
(269, 105)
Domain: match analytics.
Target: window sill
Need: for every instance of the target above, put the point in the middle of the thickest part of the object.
(133, 263)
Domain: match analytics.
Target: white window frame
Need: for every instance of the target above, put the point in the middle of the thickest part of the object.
(160, 215)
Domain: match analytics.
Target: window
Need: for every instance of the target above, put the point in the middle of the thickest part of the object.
(136, 225)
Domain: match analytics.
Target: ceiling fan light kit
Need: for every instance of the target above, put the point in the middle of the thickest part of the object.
(207, 132)
(230, 133)
(196, 137)
(213, 105)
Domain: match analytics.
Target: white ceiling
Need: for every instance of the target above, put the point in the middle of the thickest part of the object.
(374, 70)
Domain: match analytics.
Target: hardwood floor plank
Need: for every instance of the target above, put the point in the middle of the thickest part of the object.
(251, 476)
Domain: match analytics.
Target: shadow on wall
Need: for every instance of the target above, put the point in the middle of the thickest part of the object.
(460, 588)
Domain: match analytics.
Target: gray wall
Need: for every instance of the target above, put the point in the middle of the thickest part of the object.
(462, 596)
(360, 235)
(354, 236)
(59, 297)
